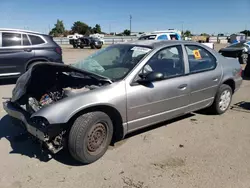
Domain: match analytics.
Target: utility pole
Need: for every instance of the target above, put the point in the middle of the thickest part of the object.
(182, 32)
(130, 19)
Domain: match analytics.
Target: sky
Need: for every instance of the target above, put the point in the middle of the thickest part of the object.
(199, 16)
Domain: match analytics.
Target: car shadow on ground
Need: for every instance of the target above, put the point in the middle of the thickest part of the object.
(23, 144)
(241, 107)
(8, 81)
(150, 128)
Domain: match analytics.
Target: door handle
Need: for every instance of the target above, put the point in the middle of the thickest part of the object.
(182, 87)
(215, 79)
(27, 50)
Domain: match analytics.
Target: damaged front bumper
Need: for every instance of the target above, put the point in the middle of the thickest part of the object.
(51, 136)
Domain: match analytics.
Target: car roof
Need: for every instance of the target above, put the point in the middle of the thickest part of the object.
(159, 43)
(21, 30)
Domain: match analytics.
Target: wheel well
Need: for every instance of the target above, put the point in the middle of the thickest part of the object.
(231, 83)
(114, 115)
(35, 60)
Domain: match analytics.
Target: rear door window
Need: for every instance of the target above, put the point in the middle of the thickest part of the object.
(11, 39)
(200, 59)
(35, 40)
(26, 41)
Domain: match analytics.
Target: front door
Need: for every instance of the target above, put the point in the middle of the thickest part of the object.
(159, 100)
(14, 53)
(204, 75)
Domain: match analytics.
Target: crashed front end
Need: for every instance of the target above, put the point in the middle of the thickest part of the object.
(51, 136)
(41, 86)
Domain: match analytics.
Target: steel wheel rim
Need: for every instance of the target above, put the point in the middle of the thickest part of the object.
(97, 138)
(225, 100)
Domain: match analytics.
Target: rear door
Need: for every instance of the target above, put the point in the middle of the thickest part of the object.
(204, 75)
(15, 51)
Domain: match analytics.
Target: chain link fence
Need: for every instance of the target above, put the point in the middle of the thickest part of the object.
(107, 40)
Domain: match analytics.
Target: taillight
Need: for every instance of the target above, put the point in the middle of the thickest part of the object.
(240, 72)
(58, 50)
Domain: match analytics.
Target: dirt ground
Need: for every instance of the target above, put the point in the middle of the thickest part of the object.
(196, 150)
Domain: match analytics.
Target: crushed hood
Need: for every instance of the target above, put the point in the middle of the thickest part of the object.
(41, 75)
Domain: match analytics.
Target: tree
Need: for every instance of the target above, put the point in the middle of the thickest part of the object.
(187, 33)
(126, 32)
(204, 34)
(79, 27)
(97, 29)
(59, 29)
(246, 32)
(88, 32)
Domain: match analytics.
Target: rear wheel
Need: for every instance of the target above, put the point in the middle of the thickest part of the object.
(90, 136)
(222, 100)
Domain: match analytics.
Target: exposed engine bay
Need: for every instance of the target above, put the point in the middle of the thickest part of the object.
(48, 83)
(53, 95)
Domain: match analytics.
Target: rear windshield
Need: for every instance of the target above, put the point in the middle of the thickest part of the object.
(147, 37)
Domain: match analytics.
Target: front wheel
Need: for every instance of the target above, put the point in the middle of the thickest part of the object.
(222, 100)
(90, 137)
(98, 47)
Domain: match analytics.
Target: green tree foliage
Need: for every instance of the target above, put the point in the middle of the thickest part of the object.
(126, 32)
(79, 27)
(187, 33)
(97, 29)
(58, 29)
(204, 34)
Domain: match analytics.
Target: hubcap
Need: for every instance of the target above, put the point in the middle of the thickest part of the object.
(225, 99)
(96, 137)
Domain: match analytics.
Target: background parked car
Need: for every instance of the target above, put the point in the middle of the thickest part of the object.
(93, 42)
(239, 50)
(19, 49)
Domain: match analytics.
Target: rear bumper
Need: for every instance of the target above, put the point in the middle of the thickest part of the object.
(22, 115)
(238, 83)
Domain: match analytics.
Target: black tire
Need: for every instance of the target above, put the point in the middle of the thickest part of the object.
(215, 108)
(90, 137)
(243, 58)
(81, 47)
(98, 47)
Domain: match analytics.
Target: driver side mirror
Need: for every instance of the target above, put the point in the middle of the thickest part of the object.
(150, 77)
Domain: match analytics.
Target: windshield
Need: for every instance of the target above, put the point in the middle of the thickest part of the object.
(147, 37)
(113, 62)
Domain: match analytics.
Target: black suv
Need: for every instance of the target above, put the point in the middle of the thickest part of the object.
(82, 42)
(19, 49)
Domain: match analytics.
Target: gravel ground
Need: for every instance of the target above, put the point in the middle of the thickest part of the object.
(196, 150)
